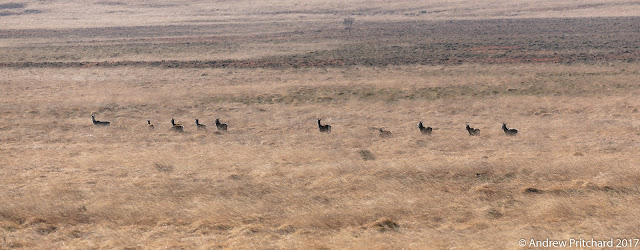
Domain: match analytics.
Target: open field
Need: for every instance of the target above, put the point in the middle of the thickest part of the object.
(564, 74)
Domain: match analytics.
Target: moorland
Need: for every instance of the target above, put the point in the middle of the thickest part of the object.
(565, 74)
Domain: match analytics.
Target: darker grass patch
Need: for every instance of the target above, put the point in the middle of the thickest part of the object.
(205, 227)
(286, 229)
(32, 11)
(494, 214)
(163, 167)
(366, 155)
(46, 229)
(235, 177)
(11, 9)
(12, 6)
(532, 191)
(343, 94)
(111, 3)
(384, 225)
(76, 234)
(10, 228)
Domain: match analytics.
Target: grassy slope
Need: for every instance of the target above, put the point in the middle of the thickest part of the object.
(272, 180)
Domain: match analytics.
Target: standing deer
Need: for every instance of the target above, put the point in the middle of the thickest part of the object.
(221, 126)
(423, 130)
(200, 126)
(176, 126)
(509, 131)
(473, 131)
(324, 128)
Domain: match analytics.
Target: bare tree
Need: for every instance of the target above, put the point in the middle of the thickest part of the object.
(348, 22)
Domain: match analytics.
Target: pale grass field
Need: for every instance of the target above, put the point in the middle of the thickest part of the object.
(273, 181)
(108, 13)
(227, 21)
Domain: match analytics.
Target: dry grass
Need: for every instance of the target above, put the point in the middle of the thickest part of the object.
(273, 180)
(80, 14)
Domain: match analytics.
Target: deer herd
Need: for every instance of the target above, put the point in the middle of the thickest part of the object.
(177, 127)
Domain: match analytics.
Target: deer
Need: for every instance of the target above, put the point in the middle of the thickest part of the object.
(200, 126)
(509, 131)
(176, 126)
(324, 128)
(473, 131)
(425, 131)
(221, 126)
(99, 123)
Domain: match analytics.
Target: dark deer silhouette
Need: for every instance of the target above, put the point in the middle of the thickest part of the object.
(176, 126)
(473, 131)
(99, 123)
(509, 131)
(200, 126)
(221, 126)
(324, 128)
(423, 130)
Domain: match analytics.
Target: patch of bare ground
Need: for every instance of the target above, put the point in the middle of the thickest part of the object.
(548, 40)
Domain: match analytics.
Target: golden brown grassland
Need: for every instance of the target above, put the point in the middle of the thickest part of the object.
(570, 85)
